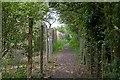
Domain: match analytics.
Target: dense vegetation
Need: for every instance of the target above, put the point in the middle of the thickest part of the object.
(94, 29)
(97, 28)
(20, 31)
(58, 45)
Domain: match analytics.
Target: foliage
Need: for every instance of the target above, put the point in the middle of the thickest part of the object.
(58, 45)
(9, 70)
(16, 18)
(62, 29)
(20, 73)
(74, 43)
(97, 24)
(15, 30)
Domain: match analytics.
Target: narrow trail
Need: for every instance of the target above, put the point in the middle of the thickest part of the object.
(65, 65)
(67, 60)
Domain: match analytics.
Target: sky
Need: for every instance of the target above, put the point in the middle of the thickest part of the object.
(54, 17)
(56, 24)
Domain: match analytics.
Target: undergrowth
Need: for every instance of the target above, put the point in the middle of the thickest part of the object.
(58, 45)
(74, 43)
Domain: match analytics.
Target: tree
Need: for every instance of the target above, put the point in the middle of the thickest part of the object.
(18, 17)
(93, 22)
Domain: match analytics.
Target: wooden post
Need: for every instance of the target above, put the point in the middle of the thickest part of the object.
(55, 35)
(52, 36)
(96, 61)
(49, 32)
(103, 60)
(30, 49)
(86, 57)
(41, 51)
(91, 60)
(47, 46)
(49, 43)
(0, 40)
(46, 30)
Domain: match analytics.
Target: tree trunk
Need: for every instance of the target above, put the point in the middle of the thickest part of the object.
(81, 50)
(0, 38)
(30, 48)
(103, 60)
(41, 51)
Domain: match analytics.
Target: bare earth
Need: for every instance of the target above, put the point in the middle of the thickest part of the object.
(65, 65)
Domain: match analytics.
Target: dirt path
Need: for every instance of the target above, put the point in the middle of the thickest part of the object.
(65, 65)
(67, 61)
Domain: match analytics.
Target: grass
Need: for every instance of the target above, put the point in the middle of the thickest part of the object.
(59, 45)
(74, 43)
